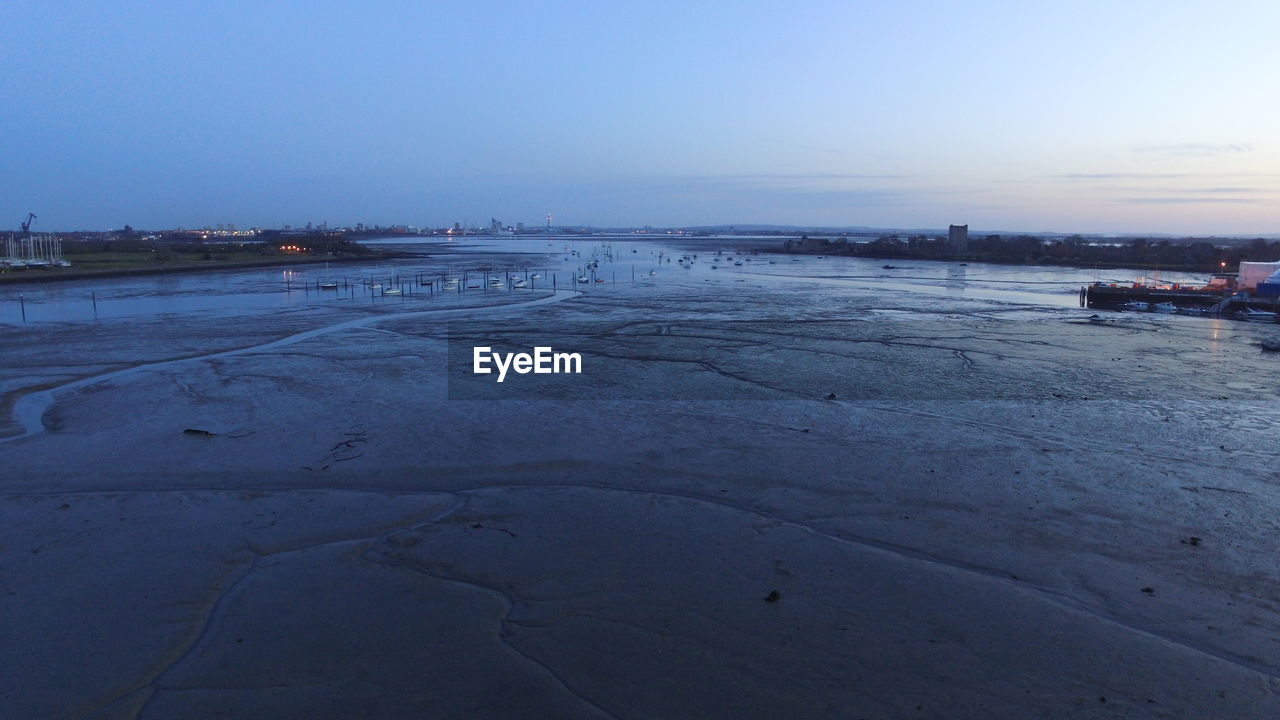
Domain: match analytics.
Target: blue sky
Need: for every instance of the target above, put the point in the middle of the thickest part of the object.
(1076, 116)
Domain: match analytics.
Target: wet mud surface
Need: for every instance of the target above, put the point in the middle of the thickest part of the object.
(768, 494)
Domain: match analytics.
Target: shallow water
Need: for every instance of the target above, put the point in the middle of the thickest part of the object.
(560, 259)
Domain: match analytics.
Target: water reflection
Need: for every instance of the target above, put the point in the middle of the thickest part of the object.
(558, 259)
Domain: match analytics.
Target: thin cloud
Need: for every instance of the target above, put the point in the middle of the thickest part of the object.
(1193, 149)
(1185, 200)
(1224, 190)
(814, 176)
(1176, 191)
(1120, 176)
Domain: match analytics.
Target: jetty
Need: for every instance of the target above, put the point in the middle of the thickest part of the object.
(1209, 300)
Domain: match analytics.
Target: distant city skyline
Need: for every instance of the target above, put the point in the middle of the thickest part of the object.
(1091, 117)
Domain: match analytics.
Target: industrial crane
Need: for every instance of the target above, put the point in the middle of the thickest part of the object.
(26, 226)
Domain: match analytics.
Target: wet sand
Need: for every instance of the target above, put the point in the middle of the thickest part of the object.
(781, 497)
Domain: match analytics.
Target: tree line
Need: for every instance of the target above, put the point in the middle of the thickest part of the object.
(1184, 254)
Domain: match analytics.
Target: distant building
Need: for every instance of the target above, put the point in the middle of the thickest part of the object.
(1254, 273)
(958, 239)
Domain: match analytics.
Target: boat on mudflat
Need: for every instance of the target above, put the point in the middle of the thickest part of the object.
(1249, 313)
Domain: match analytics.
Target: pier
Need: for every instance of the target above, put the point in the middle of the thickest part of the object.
(1211, 301)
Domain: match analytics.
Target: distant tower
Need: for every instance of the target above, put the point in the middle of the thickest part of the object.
(548, 221)
(958, 239)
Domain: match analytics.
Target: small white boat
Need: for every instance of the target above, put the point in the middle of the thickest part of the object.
(328, 286)
(391, 291)
(1135, 305)
(1165, 307)
(535, 276)
(519, 284)
(583, 279)
(1250, 314)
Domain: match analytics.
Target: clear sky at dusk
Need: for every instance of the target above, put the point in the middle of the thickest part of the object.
(1075, 116)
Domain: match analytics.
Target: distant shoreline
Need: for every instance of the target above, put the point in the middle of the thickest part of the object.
(963, 259)
(52, 275)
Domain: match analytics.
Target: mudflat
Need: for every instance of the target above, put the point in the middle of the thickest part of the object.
(765, 495)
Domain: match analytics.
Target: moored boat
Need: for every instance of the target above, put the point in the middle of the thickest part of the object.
(1249, 313)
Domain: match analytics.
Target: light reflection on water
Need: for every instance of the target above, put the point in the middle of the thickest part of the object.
(253, 291)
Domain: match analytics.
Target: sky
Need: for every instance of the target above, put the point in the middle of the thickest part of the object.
(1080, 116)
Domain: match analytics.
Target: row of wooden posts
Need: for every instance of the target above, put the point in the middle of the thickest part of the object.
(433, 283)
